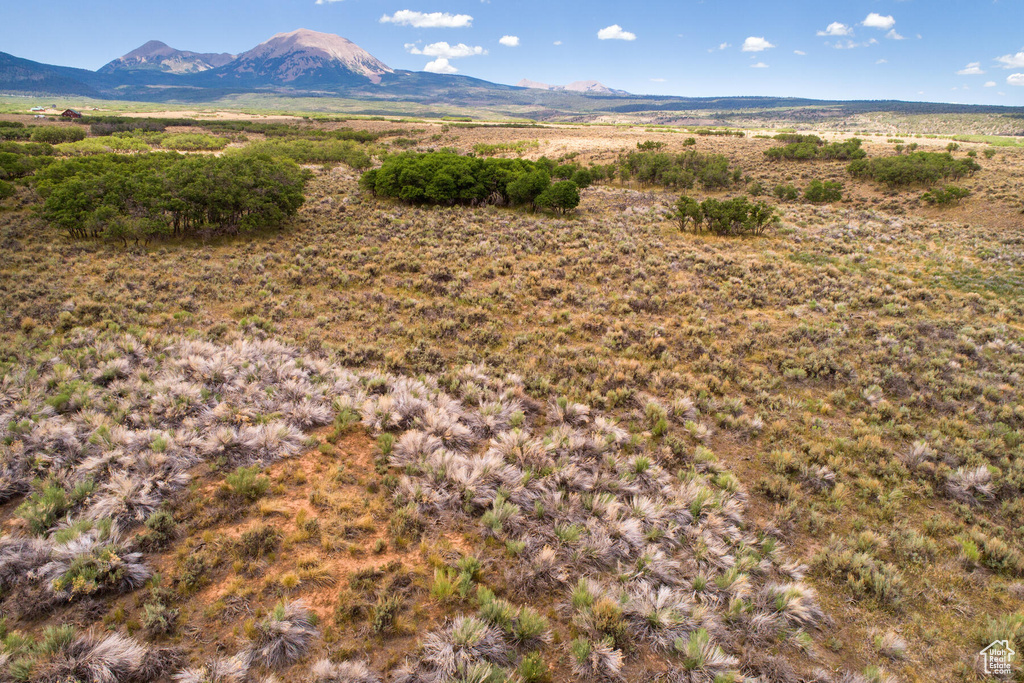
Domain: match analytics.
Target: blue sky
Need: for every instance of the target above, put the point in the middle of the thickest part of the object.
(969, 51)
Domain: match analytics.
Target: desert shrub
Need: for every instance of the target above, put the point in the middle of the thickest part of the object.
(283, 637)
(145, 196)
(786, 193)
(42, 509)
(648, 145)
(247, 483)
(737, 216)
(944, 196)
(918, 168)
(820, 192)
(864, 574)
(518, 147)
(6, 190)
(56, 134)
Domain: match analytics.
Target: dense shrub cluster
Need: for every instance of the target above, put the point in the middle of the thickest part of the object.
(141, 197)
(18, 160)
(677, 170)
(54, 135)
(448, 178)
(918, 168)
(306, 151)
(818, 192)
(738, 216)
(812, 147)
(13, 130)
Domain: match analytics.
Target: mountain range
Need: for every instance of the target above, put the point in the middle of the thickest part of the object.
(306, 63)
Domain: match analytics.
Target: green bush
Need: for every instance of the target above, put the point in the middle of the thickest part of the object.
(56, 134)
(44, 508)
(193, 142)
(786, 193)
(247, 483)
(943, 196)
(820, 192)
(6, 190)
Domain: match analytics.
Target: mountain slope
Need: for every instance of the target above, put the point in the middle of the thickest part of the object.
(158, 56)
(304, 57)
(24, 75)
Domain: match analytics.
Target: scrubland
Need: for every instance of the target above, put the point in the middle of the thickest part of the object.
(422, 443)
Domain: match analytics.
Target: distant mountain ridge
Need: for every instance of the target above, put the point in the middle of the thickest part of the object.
(158, 56)
(310, 64)
(595, 87)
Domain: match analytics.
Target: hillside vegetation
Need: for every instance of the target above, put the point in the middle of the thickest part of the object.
(736, 435)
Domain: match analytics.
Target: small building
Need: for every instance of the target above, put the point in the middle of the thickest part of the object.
(38, 109)
(70, 114)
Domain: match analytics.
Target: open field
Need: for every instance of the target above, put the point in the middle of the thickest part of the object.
(558, 446)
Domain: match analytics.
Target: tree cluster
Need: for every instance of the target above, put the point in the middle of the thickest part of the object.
(677, 170)
(730, 217)
(448, 178)
(918, 168)
(809, 147)
(139, 197)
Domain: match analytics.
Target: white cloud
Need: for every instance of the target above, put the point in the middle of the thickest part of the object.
(443, 49)
(658, 80)
(892, 35)
(724, 46)
(407, 17)
(557, 42)
(509, 41)
(799, 52)
(615, 32)
(990, 84)
(875, 20)
(836, 29)
(326, 2)
(440, 66)
(972, 69)
(755, 44)
(759, 65)
(882, 61)
(1015, 79)
(1012, 61)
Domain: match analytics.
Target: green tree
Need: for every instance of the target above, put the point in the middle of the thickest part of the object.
(561, 197)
